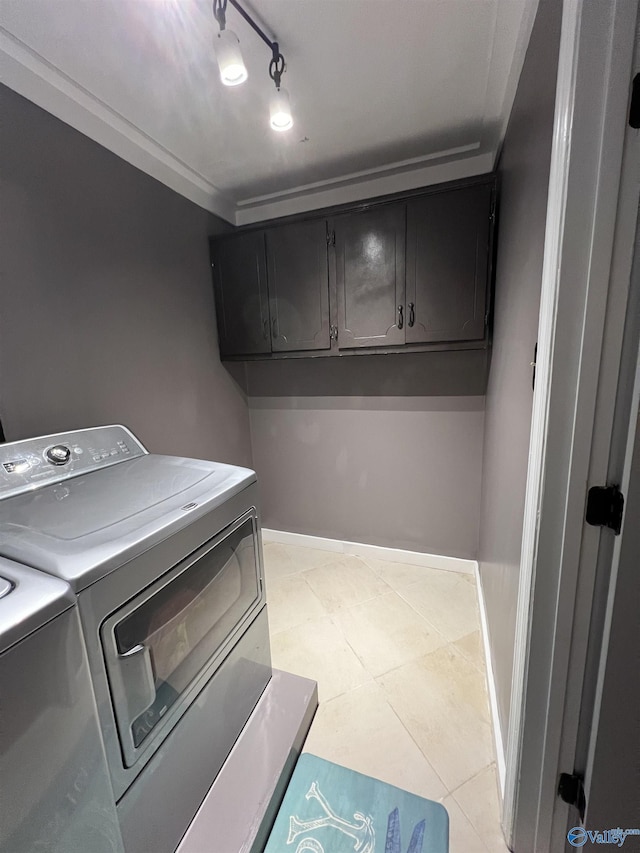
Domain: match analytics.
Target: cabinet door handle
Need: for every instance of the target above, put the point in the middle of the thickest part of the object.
(274, 326)
(400, 317)
(265, 330)
(412, 314)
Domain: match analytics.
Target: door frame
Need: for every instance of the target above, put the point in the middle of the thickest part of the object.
(578, 359)
(614, 427)
(608, 752)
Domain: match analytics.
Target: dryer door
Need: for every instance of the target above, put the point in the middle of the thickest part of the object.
(163, 646)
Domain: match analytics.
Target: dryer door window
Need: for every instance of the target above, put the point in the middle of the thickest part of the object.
(162, 647)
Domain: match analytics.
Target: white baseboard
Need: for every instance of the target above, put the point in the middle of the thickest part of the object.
(360, 549)
(498, 743)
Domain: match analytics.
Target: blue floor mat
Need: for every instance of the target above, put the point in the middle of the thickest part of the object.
(329, 809)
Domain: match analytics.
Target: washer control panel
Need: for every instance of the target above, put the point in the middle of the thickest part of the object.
(33, 462)
(59, 454)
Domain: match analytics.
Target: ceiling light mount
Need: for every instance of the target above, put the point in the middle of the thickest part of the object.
(277, 65)
(232, 70)
(220, 13)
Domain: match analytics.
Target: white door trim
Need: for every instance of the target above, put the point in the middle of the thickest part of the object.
(591, 101)
(625, 484)
(609, 449)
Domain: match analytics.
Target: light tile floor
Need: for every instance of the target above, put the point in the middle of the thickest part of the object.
(397, 655)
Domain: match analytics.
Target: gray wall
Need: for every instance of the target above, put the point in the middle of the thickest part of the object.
(107, 310)
(524, 175)
(379, 449)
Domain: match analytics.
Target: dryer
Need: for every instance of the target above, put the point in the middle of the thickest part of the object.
(165, 558)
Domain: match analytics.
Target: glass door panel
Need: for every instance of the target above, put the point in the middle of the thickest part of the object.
(162, 641)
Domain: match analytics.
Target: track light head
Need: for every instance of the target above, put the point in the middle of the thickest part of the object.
(280, 111)
(230, 62)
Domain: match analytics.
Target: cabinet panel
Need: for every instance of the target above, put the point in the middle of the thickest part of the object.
(448, 235)
(298, 286)
(370, 260)
(240, 284)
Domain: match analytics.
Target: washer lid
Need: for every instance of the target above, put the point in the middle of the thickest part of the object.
(33, 599)
(84, 527)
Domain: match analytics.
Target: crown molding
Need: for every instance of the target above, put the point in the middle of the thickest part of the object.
(378, 171)
(31, 76)
(350, 188)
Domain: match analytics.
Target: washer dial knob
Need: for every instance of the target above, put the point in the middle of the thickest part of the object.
(59, 454)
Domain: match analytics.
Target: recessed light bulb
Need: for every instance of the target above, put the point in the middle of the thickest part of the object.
(232, 68)
(280, 111)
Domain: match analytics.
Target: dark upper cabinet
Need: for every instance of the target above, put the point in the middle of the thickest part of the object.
(298, 278)
(412, 272)
(240, 285)
(370, 260)
(448, 237)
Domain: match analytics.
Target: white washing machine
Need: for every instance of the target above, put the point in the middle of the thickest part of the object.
(56, 791)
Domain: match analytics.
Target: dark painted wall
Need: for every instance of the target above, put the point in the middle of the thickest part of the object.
(106, 308)
(383, 449)
(524, 175)
(443, 374)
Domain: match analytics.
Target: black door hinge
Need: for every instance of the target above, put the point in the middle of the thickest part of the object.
(634, 108)
(571, 791)
(331, 238)
(605, 507)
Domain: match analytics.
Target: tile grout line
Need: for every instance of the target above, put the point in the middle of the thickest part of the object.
(331, 614)
(462, 808)
(472, 826)
(424, 619)
(375, 679)
(414, 741)
(449, 792)
(357, 603)
(471, 778)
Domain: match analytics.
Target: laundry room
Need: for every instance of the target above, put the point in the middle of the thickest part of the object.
(288, 375)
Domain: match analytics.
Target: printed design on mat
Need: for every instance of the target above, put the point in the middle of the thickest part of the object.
(361, 830)
(393, 843)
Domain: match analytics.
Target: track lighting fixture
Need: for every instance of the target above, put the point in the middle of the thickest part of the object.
(230, 63)
(280, 110)
(232, 67)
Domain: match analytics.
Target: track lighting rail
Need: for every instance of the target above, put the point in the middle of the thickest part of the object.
(233, 71)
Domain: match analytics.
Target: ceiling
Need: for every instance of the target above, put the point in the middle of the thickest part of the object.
(387, 95)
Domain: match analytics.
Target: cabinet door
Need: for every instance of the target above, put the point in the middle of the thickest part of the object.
(447, 265)
(370, 247)
(298, 286)
(240, 284)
